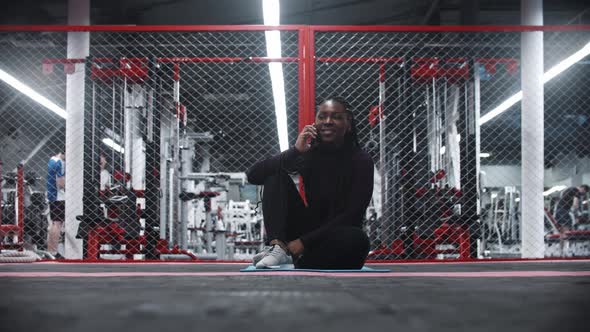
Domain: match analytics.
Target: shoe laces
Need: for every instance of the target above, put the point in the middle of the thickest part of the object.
(277, 251)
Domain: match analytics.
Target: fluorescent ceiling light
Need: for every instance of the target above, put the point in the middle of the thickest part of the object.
(29, 92)
(271, 10)
(20, 86)
(271, 13)
(550, 74)
(501, 108)
(110, 143)
(565, 64)
(553, 190)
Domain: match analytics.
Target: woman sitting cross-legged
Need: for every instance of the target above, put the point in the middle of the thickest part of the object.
(338, 181)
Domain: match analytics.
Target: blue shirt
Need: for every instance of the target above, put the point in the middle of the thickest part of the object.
(54, 170)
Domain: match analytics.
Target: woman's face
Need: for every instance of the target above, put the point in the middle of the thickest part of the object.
(332, 122)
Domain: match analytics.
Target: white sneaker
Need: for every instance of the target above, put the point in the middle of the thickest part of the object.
(277, 256)
(261, 254)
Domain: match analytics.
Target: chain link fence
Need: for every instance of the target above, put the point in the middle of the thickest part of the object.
(172, 120)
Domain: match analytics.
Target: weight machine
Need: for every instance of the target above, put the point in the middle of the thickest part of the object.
(23, 214)
(129, 111)
(429, 165)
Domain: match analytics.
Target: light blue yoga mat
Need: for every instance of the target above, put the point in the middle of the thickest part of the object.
(291, 268)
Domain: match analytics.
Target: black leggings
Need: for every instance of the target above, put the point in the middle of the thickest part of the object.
(286, 218)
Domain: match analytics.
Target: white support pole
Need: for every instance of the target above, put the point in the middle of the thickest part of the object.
(533, 245)
(477, 115)
(382, 152)
(135, 101)
(187, 211)
(78, 47)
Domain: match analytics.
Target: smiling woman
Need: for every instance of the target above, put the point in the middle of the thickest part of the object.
(338, 179)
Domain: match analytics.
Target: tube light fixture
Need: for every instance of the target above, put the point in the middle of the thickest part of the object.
(271, 13)
(547, 76)
(29, 92)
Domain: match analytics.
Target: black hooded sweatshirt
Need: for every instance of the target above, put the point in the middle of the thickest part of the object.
(338, 183)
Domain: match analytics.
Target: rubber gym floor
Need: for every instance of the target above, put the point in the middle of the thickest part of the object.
(469, 296)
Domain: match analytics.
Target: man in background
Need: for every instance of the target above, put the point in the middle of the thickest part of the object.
(56, 183)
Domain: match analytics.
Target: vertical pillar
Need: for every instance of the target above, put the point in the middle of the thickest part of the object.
(20, 201)
(468, 160)
(78, 47)
(186, 213)
(533, 245)
(153, 191)
(382, 153)
(475, 241)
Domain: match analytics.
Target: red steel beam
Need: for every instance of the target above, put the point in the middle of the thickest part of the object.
(311, 75)
(225, 59)
(341, 28)
(448, 28)
(361, 59)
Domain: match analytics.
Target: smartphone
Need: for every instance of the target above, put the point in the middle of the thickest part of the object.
(314, 142)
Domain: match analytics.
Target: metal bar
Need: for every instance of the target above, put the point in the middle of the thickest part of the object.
(20, 193)
(311, 75)
(381, 119)
(448, 28)
(285, 59)
(225, 59)
(1, 197)
(343, 28)
(361, 59)
(149, 28)
(302, 78)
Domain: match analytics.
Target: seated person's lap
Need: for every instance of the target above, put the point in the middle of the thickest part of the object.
(344, 247)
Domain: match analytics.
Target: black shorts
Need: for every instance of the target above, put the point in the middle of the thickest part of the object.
(57, 211)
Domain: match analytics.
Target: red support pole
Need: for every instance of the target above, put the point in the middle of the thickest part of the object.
(303, 93)
(311, 74)
(464, 244)
(1, 197)
(20, 192)
(176, 72)
(302, 68)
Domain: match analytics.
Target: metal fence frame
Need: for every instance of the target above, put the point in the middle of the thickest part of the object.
(306, 59)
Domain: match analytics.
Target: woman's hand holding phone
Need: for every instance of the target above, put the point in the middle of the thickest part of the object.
(308, 134)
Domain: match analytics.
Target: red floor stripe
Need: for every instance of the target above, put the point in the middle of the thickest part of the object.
(495, 274)
(369, 263)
